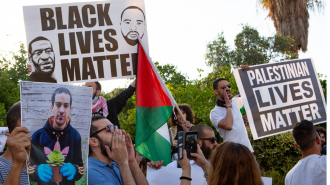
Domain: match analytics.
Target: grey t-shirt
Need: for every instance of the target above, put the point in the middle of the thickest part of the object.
(5, 168)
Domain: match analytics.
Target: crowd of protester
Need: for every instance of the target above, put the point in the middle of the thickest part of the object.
(113, 160)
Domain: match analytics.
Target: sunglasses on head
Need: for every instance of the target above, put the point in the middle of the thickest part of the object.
(224, 86)
(112, 129)
(212, 139)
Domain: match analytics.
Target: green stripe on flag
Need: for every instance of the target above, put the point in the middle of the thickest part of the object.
(148, 120)
(156, 148)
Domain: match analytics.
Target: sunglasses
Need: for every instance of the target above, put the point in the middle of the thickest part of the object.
(224, 86)
(112, 129)
(212, 139)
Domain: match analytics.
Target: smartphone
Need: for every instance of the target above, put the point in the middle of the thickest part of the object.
(187, 140)
(191, 143)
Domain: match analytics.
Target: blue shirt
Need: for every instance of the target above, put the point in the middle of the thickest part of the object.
(100, 173)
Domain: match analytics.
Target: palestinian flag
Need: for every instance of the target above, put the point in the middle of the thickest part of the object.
(154, 104)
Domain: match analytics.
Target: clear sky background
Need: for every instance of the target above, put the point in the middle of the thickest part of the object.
(179, 31)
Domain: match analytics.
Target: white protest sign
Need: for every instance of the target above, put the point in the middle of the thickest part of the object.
(87, 41)
(278, 95)
(3, 137)
(168, 175)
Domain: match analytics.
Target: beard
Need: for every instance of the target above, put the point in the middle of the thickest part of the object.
(130, 41)
(102, 147)
(94, 95)
(206, 150)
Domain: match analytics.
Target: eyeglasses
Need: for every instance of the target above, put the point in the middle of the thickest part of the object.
(224, 86)
(112, 129)
(212, 139)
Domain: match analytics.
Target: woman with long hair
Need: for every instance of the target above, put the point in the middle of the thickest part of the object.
(231, 163)
(178, 124)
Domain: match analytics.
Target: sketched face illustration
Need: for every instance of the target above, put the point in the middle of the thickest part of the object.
(42, 56)
(132, 23)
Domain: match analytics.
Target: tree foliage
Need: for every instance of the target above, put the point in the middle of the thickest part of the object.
(13, 67)
(250, 49)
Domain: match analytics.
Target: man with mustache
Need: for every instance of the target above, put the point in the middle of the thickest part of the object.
(132, 23)
(226, 116)
(41, 55)
(57, 134)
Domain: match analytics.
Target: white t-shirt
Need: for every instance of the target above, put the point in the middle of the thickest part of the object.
(238, 134)
(193, 165)
(311, 170)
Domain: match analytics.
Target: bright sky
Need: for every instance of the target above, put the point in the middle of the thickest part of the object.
(179, 31)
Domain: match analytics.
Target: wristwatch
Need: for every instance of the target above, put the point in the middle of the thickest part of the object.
(206, 175)
(229, 106)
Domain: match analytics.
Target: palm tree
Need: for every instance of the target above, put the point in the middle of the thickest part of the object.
(291, 18)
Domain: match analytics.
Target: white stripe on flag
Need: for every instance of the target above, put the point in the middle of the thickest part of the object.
(163, 131)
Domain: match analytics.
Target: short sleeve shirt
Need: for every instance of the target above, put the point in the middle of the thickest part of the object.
(5, 167)
(309, 170)
(238, 134)
(100, 173)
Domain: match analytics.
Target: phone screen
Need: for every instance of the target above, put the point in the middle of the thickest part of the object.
(191, 143)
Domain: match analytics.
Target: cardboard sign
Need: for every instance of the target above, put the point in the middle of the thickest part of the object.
(278, 95)
(58, 118)
(89, 41)
(3, 137)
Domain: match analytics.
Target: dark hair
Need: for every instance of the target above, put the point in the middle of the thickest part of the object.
(200, 130)
(215, 83)
(94, 129)
(233, 163)
(190, 116)
(35, 40)
(13, 115)
(98, 85)
(321, 130)
(304, 134)
(59, 91)
(131, 7)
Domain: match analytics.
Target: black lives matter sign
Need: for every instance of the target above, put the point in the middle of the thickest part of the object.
(89, 41)
(278, 95)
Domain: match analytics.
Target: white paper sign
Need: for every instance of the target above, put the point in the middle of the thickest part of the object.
(87, 41)
(161, 176)
(3, 137)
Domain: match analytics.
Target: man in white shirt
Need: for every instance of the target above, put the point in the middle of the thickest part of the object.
(312, 168)
(206, 140)
(226, 116)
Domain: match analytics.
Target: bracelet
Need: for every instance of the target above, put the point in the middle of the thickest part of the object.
(183, 177)
(228, 106)
(206, 175)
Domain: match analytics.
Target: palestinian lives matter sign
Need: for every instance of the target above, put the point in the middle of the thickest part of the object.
(89, 41)
(278, 95)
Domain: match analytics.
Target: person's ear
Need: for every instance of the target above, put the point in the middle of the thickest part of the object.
(93, 141)
(318, 140)
(297, 146)
(19, 122)
(215, 91)
(52, 106)
(98, 92)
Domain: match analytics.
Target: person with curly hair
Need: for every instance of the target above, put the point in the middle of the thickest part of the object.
(178, 124)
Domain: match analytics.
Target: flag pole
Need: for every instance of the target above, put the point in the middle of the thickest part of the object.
(179, 111)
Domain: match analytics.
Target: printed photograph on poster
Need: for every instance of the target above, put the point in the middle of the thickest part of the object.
(58, 118)
(3, 137)
(80, 42)
(278, 95)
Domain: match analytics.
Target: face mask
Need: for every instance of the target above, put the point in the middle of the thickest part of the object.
(95, 99)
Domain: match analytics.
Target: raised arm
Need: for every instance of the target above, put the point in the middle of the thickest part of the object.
(227, 122)
(19, 145)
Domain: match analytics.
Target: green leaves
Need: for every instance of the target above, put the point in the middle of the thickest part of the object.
(55, 158)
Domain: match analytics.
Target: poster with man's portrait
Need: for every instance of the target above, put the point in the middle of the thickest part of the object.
(87, 41)
(58, 118)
